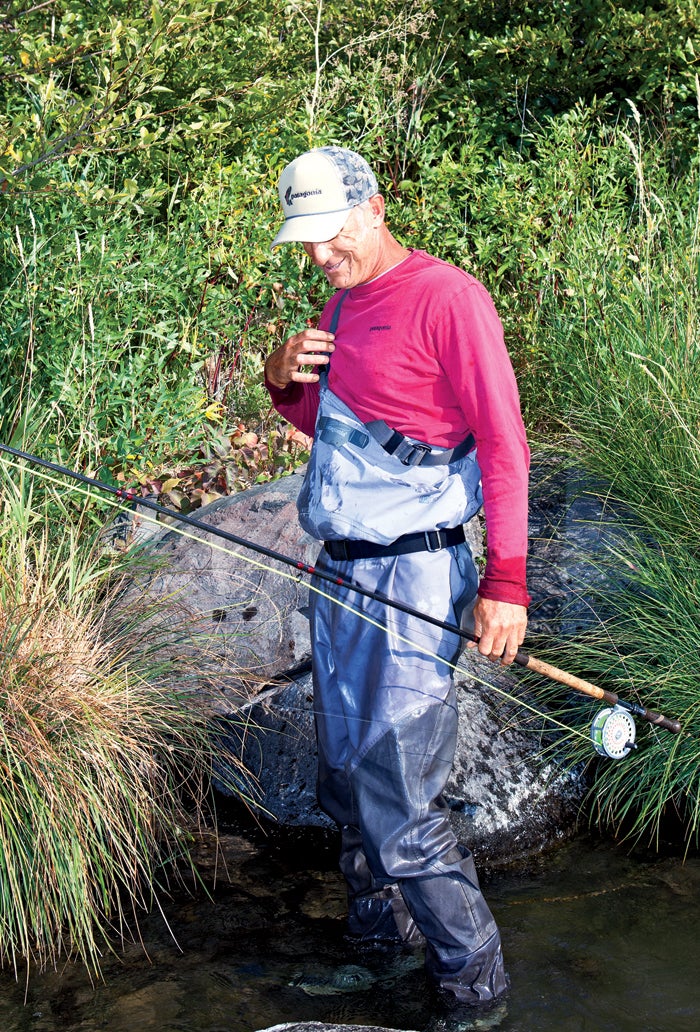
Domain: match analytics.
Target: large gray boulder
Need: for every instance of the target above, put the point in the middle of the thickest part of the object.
(248, 607)
(504, 801)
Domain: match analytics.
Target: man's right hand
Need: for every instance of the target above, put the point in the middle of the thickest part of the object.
(289, 363)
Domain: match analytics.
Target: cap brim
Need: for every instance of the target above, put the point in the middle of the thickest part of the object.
(311, 229)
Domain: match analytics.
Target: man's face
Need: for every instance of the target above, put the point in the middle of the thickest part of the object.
(351, 257)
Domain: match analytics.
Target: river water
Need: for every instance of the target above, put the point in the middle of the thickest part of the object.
(595, 941)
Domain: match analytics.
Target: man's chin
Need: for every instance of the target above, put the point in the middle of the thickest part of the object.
(339, 277)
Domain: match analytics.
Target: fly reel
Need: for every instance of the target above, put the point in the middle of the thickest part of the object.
(613, 732)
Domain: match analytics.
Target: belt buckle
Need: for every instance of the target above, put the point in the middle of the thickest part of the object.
(435, 535)
(338, 550)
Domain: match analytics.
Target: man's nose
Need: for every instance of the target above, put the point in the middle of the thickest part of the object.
(319, 253)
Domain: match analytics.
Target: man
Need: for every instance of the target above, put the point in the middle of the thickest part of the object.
(406, 372)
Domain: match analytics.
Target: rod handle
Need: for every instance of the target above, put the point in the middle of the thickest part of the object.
(555, 674)
(579, 685)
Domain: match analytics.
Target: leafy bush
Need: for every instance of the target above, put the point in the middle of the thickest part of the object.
(530, 60)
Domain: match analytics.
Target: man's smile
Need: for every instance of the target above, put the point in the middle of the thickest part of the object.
(330, 267)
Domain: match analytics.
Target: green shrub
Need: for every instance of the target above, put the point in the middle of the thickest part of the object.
(527, 60)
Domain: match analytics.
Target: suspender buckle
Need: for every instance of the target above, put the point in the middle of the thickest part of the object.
(337, 433)
(414, 455)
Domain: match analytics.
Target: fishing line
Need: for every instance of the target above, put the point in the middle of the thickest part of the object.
(258, 564)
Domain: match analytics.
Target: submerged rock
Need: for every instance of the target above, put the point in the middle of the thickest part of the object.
(318, 1026)
(347, 978)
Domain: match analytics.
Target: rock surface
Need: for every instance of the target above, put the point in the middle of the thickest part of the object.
(504, 803)
(250, 606)
(317, 1026)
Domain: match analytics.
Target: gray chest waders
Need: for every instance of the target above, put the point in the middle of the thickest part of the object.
(368, 482)
(384, 699)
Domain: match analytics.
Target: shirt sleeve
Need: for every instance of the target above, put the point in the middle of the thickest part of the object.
(298, 403)
(471, 350)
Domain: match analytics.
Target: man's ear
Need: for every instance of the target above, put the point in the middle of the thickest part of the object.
(377, 207)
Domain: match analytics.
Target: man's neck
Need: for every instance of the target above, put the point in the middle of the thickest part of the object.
(392, 253)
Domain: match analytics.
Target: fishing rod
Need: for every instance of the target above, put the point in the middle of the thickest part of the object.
(613, 730)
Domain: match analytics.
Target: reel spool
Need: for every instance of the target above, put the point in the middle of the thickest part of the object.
(613, 732)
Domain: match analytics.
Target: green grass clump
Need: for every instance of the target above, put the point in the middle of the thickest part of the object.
(642, 644)
(105, 747)
(628, 399)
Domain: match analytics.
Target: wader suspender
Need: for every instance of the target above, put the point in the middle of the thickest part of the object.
(392, 441)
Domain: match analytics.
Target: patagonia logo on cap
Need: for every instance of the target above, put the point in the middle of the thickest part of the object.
(290, 197)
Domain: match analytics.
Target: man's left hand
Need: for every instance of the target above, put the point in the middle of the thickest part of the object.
(500, 628)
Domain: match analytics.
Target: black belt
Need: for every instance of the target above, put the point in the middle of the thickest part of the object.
(427, 541)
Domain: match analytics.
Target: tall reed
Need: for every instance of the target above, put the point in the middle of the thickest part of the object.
(106, 743)
(627, 363)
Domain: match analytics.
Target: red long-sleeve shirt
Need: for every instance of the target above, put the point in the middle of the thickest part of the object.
(422, 348)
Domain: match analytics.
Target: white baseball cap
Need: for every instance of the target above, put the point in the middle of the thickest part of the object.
(318, 190)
